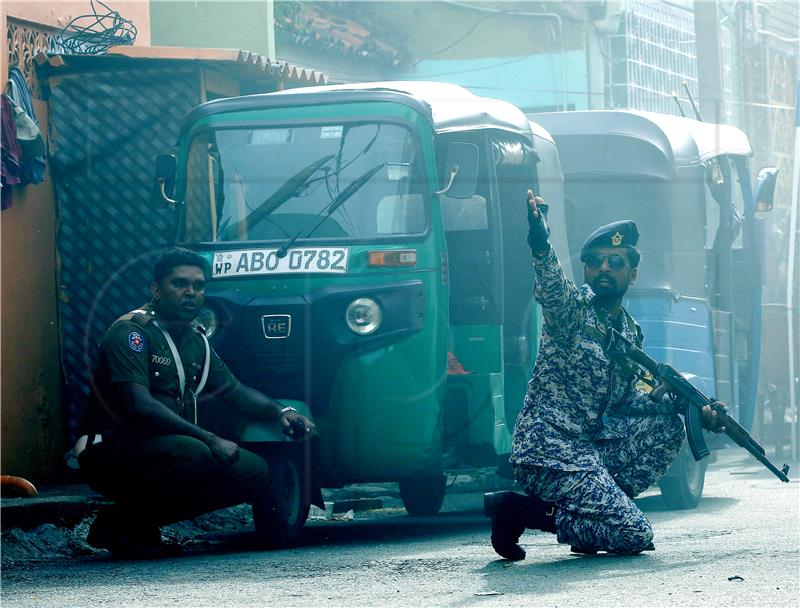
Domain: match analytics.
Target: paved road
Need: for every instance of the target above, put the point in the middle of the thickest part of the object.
(741, 547)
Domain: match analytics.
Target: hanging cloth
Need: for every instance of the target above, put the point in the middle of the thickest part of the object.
(19, 92)
(31, 143)
(11, 165)
(29, 136)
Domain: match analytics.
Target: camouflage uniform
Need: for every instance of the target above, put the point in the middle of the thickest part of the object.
(587, 439)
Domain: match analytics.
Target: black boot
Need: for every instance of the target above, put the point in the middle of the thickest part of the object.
(540, 515)
(126, 539)
(506, 512)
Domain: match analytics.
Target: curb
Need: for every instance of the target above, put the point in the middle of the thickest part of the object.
(61, 511)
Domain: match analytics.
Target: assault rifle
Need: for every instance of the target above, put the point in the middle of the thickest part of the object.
(686, 393)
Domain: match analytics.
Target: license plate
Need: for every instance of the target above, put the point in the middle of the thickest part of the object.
(303, 260)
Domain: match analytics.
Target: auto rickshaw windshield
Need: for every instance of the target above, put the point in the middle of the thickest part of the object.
(277, 183)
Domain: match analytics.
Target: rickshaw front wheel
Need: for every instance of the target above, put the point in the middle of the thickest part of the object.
(682, 486)
(423, 494)
(279, 517)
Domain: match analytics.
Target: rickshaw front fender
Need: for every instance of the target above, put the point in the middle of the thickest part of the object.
(258, 431)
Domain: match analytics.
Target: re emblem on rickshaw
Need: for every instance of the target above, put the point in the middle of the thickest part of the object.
(616, 239)
(276, 326)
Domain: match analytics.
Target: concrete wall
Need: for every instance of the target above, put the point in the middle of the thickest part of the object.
(517, 57)
(59, 13)
(30, 386)
(232, 24)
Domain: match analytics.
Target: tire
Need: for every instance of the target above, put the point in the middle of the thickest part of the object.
(279, 517)
(682, 487)
(423, 495)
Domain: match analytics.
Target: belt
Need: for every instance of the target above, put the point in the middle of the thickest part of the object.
(83, 442)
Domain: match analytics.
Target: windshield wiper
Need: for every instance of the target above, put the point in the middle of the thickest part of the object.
(290, 189)
(337, 202)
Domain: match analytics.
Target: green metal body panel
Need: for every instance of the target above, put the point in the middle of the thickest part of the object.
(516, 384)
(503, 426)
(478, 347)
(476, 408)
(257, 432)
(386, 421)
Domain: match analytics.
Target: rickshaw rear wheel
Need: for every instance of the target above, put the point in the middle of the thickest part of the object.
(279, 517)
(423, 494)
(683, 487)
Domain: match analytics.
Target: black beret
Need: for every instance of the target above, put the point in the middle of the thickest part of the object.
(622, 234)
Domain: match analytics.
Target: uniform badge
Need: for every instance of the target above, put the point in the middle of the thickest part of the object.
(136, 341)
(616, 239)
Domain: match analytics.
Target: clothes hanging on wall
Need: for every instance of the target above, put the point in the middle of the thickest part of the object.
(28, 134)
(19, 92)
(11, 161)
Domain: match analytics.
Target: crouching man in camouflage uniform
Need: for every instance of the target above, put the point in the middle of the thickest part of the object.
(587, 440)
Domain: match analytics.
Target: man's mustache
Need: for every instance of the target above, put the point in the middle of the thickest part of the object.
(608, 277)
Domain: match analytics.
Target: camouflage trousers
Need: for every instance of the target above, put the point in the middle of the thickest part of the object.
(594, 509)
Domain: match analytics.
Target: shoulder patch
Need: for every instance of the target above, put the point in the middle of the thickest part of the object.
(136, 341)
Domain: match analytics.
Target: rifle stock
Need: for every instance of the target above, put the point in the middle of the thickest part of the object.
(686, 392)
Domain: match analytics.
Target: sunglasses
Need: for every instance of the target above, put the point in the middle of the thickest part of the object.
(615, 262)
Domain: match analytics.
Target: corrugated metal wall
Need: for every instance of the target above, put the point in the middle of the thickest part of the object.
(106, 128)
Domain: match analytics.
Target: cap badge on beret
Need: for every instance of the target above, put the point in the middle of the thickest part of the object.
(616, 239)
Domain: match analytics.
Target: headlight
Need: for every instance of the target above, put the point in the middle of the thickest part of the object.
(363, 316)
(208, 319)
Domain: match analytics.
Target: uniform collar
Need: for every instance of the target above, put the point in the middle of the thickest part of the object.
(151, 314)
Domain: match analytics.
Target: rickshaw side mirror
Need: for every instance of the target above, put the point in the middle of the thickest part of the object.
(765, 188)
(461, 170)
(164, 180)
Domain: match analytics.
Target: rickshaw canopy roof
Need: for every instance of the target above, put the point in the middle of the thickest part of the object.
(449, 107)
(633, 142)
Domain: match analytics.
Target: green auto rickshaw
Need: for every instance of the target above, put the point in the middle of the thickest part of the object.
(369, 267)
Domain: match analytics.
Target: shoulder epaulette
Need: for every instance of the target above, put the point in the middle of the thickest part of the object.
(138, 316)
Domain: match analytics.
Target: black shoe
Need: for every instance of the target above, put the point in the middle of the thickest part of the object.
(140, 541)
(507, 526)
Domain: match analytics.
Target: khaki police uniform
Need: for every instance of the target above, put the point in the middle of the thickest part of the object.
(161, 478)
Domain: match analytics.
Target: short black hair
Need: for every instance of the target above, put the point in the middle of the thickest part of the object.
(174, 258)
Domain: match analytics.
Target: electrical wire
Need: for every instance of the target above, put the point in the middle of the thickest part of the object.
(94, 33)
(481, 68)
(468, 32)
